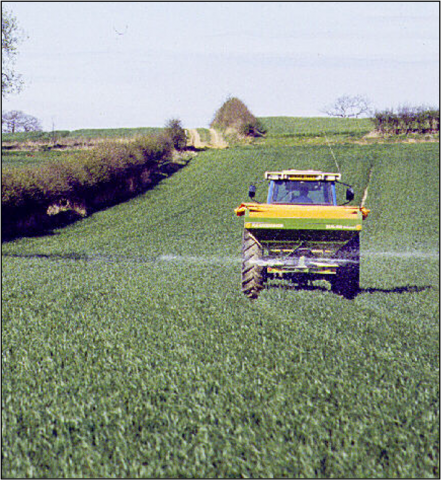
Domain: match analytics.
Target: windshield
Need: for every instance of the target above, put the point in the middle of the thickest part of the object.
(301, 193)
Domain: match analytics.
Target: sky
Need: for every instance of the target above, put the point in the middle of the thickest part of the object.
(139, 64)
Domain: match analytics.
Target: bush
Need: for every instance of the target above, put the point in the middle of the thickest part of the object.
(234, 114)
(175, 132)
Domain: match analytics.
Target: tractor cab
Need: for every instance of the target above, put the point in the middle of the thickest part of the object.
(300, 192)
(302, 187)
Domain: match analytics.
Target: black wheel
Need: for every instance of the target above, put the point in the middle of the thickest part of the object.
(252, 272)
(347, 280)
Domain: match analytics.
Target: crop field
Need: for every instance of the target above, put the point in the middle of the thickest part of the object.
(86, 133)
(204, 134)
(315, 130)
(292, 126)
(128, 349)
(20, 159)
(36, 148)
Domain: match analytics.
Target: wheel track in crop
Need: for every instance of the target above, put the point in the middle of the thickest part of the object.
(216, 139)
(365, 193)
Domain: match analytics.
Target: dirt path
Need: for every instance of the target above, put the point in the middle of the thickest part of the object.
(216, 139)
(194, 139)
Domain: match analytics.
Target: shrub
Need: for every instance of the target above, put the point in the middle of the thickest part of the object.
(176, 133)
(234, 114)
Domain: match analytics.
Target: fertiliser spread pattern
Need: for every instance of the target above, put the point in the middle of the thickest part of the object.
(129, 351)
(410, 255)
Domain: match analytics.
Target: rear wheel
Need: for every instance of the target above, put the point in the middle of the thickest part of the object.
(252, 272)
(347, 280)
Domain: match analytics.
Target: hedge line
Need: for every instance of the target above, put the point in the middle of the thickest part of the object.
(82, 134)
(111, 172)
(408, 120)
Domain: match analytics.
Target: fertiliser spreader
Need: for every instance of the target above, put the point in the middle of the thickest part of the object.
(300, 234)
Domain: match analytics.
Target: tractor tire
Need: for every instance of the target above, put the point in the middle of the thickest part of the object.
(347, 280)
(253, 275)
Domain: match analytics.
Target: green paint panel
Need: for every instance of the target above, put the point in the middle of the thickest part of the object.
(327, 224)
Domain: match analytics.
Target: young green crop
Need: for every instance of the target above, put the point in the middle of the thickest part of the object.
(128, 349)
(23, 159)
(298, 129)
(90, 133)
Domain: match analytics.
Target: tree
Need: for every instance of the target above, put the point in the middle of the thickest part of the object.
(11, 37)
(17, 121)
(347, 107)
(176, 133)
(234, 114)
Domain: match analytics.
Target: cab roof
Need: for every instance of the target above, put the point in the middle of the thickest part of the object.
(305, 175)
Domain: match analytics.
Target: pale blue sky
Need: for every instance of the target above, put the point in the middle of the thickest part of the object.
(183, 59)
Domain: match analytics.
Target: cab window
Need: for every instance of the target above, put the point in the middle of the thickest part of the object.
(301, 193)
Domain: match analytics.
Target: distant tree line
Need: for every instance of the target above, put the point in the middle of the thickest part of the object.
(407, 120)
(16, 121)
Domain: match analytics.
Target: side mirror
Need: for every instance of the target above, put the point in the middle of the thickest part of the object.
(350, 194)
(252, 191)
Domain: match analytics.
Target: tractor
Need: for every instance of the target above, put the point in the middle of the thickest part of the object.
(301, 234)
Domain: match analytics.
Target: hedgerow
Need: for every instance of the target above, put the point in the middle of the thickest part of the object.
(408, 120)
(111, 172)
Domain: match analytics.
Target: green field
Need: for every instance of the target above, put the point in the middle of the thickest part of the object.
(36, 148)
(316, 126)
(20, 159)
(315, 130)
(128, 349)
(85, 133)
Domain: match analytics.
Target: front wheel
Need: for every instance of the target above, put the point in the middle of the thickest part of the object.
(252, 272)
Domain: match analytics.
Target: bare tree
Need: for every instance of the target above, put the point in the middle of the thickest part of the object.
(347, 107)
(11, 37)
(17, 121)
